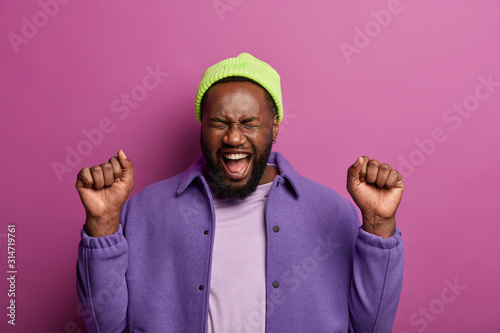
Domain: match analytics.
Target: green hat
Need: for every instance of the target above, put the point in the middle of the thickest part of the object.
(247, 66)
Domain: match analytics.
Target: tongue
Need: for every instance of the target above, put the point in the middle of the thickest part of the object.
(236, 165)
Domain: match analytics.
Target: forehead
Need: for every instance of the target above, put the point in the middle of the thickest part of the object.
(235, 100)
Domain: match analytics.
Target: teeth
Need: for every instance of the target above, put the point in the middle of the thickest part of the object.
(235, 156)
(244, 169)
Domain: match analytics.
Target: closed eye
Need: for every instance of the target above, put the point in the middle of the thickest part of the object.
(218, 123)
(249, 126)
(250, 122)
(221, 123)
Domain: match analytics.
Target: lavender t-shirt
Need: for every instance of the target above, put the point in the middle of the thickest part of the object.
(237, 288)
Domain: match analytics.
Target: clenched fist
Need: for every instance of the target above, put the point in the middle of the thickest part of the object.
(376, 189)
(103, 190)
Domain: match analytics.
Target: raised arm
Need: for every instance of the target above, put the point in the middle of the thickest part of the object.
(103, 250)
(378, 257)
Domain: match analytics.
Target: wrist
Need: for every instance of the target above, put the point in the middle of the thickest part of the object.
(383, 227)
(100, 226)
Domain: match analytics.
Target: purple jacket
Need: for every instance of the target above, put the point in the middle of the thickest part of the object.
(324, 273)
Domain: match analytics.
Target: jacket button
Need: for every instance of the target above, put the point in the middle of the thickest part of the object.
(200, 287)
(206, 232)
(276, 284)
(276, 228)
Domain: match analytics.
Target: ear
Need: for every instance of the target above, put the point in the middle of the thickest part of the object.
(276, 127)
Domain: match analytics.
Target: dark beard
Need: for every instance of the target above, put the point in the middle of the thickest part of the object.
(222, 189)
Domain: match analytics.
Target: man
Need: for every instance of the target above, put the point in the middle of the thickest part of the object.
(239, 242)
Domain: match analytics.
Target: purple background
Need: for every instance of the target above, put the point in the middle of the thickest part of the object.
(358, 77)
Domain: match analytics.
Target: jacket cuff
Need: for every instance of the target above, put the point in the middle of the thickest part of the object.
(102, 242)
(380, 242)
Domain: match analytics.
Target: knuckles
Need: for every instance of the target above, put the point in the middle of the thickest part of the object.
(81, 174)
(106, 166)
(385, 167)
(96, 169)
(95, 175)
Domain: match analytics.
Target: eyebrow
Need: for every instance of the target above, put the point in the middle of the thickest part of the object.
(225, 121)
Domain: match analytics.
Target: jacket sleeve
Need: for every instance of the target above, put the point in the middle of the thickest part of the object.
(376, 282)
(101, 285)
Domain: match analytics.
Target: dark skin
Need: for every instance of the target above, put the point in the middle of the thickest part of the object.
(376, 189)
(236, 120)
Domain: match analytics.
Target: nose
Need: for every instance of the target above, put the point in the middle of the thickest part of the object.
(234, 136)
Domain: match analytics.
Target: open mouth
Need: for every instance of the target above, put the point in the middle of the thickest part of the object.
(236, 165)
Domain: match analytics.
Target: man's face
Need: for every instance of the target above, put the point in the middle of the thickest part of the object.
(237, 131)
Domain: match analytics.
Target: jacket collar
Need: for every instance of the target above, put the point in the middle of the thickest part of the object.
(285, 168)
